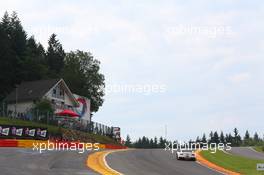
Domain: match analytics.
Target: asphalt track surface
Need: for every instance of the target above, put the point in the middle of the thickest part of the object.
(154, 162)
(247, 152)
(17, 161)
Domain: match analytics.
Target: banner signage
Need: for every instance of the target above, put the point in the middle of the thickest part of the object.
(116, 132)
(23, 132)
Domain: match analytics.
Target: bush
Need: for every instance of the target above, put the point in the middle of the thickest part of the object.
(44, 106)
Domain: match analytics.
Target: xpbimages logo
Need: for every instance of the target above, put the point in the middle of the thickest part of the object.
(204, 146)
(65, 146)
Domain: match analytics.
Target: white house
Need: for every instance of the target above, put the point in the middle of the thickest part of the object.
(23, 98)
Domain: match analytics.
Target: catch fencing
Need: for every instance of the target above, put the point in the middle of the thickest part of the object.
(50, 119)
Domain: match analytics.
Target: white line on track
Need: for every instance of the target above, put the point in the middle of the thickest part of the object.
(226, 152)
(253, 149)
(105, 162)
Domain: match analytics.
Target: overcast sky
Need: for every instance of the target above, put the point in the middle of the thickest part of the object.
(204, 60)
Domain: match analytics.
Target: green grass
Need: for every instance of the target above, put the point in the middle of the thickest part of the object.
(54, 130)
(259, 148)
(233, 162)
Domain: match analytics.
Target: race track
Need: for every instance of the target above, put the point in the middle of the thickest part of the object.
(14, 161)
(247, 152)
(154, 162)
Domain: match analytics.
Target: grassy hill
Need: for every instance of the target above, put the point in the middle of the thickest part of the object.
(259, 148)
(235, 163)
(66, 133)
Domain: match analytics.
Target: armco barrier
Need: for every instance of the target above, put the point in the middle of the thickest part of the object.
(111, 146)
(30, 144)
(24, 143)
(8, 143)
(101, 146)
(79, 145)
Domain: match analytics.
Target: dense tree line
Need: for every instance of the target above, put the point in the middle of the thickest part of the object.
(145, 142)
(24, 59)
(214, 137)
(235, 139)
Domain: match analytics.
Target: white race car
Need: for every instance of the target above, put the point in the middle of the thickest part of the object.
(186, 154)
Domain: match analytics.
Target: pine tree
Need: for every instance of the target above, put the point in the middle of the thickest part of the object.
(237, 139)
(204, 140)
(55, 56)
(5, 23)
(151, 143)
(211, 137)
(144, 142)
(228, 138)
(128, 141)
(198, 139)
(256, 138)
(222, 137)
(161, 142)
(139, 143)
(8, 59)
(155, 142)
(247, 138)
(13, 38)
(18, 36)
(34, 67)
(216, 137)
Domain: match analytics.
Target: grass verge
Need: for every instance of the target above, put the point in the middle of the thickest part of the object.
(233, 162)
(259, 148)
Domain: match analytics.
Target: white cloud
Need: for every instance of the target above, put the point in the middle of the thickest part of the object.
(240, 77)
(133, 41)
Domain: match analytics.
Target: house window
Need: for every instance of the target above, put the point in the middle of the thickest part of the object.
(62, 93)
(58, 92)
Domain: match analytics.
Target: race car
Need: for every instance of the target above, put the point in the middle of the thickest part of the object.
(186, 155)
